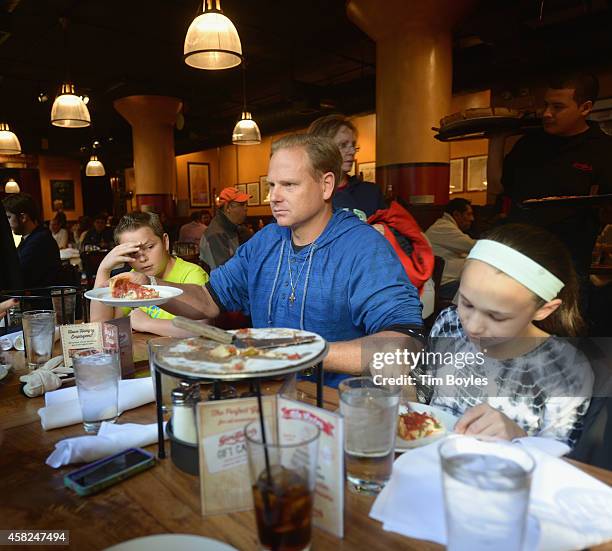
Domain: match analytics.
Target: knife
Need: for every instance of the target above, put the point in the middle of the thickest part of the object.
(225, 337)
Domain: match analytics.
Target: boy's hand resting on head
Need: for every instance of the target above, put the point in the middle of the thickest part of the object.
(118, 257)
(483, 420)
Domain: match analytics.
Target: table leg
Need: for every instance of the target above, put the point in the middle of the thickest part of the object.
(319, 372)
(161, 448)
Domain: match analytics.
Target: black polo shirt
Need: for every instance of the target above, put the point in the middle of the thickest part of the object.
(39, 258)
(543, 165)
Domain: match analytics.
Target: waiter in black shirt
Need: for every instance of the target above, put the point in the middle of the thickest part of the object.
(567, 157)
(38, 252)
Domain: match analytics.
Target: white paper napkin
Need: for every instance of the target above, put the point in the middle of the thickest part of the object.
(573, 509)
(62, 406)
(110, 439)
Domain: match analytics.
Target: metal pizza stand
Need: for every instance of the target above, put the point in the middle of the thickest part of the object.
(162, 366)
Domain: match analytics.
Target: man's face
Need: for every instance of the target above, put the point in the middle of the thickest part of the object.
(99, 225)
(562, 115)
(464, 219)
(54, 225)
(346, 141)
(15, 222)
(236, 212)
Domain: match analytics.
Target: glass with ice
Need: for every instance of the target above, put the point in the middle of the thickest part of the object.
(97, 380)
(486, 493)
(38, 332)
(370, 422)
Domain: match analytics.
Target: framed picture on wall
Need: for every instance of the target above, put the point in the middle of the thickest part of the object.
(456, 175)
(242, 188)
(368, 171)
(477, 173)
(198, 180)
(63, 190)
(264, 190)
(253, 191)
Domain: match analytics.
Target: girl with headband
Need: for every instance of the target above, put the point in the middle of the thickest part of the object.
(517, 299)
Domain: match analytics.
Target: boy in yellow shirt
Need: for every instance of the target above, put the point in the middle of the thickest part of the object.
(145, 247)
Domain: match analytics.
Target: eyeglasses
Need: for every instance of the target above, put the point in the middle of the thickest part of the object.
(346, 146)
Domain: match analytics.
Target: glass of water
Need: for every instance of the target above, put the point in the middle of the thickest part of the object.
(38, 333)
(370, 416)
(168, 383)
(97, 379)
(486, 493)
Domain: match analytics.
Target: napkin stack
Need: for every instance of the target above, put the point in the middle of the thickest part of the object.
(62, 406)
(573, 509)
(111, 439)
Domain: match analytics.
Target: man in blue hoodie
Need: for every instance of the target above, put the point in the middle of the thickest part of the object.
(315, 269)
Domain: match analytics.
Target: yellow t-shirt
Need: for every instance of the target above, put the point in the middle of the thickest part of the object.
(182, 272)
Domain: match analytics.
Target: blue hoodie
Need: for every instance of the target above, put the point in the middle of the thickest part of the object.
(349, 283)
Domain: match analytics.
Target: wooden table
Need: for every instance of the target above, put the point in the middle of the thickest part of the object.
(160, 500)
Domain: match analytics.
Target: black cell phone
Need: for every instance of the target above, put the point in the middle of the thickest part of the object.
(108, 471)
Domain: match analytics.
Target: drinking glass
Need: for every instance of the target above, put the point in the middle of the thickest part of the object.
(38, 333)
(370, 422)
(64, 303)
(283, 477)
(97, 379)
(486, 493)
(168, 383)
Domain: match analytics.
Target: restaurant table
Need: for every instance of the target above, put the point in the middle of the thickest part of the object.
(160, 500)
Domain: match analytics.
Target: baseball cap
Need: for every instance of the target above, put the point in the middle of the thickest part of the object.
(232, 194)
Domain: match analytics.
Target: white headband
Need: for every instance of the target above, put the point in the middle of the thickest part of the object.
(518, 266)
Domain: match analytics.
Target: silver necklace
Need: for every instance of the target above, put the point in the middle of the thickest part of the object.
(292, 295)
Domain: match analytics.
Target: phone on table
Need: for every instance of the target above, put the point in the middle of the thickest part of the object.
(108, 471)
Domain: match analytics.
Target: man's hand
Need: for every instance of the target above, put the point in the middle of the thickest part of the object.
(118, 257)
(483, 420)
(4, 306)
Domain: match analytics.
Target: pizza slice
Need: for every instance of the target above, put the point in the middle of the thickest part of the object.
(414, 425)
(122, 287)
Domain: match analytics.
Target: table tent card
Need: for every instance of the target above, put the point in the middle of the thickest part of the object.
(224, 477)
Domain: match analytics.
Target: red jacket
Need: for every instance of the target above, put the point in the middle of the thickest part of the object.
(418, 265)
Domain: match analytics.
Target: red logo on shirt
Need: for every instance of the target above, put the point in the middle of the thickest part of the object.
(584, 167)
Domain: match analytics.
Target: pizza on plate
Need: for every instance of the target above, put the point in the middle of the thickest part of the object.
(414, 425)
(122, 287)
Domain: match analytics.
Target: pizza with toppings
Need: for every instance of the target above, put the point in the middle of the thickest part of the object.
(122, 287)
(414, 425)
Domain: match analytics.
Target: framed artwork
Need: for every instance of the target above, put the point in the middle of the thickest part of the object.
(477, 173)
(242, 188)
(253, 191)
(456, 175)
(368, 170)
(198, 180)
(264, 190)
(63, 190)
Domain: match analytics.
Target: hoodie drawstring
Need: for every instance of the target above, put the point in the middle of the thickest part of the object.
(312, 248)
(278, 267)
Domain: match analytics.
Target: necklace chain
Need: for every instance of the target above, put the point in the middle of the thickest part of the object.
(292, 296)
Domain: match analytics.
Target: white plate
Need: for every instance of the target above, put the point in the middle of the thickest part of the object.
(448, 421)
(103, 295)
(182, 365)
(164, 542)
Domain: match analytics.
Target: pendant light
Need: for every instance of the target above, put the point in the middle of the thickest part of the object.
(9, 143)
(246, 131)
(212, 41)
(11, 186)
(69, 110)
(94, 167)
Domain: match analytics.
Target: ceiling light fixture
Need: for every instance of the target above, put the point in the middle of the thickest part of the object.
(11, 186)
(9, 143)
(246, 131)
(94, 167)
(212, 41)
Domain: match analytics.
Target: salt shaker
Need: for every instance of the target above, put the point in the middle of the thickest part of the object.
(184, 398)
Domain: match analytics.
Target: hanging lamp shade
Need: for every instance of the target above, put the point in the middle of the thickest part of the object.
(212, 41)
(9, 143)
(246, 131)
(94, 167)
(11, 186)
(69, 110)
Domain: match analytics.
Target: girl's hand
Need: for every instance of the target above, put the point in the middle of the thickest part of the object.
(118, 257)
(140, 321)
(483, 420)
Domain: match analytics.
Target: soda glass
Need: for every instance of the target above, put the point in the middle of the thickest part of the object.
(97, 379)
(64, 304)
(283, 477)
(370, 423)
(38, 333)
(486, 493)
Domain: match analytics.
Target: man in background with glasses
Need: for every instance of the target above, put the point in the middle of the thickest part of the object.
(363, 198)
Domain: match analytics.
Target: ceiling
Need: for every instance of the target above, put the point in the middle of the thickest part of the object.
(303, 59)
